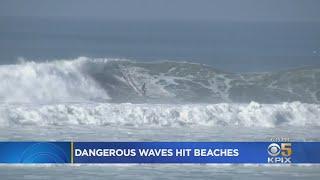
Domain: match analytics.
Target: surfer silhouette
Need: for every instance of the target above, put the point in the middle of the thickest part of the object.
(144, 89)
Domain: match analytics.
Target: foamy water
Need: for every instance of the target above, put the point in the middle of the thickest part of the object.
(121, 81)
(101, 100)
(162, 115)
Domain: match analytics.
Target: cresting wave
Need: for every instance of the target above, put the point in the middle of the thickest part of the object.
(121, 81)
(109, 114)
(31, 82)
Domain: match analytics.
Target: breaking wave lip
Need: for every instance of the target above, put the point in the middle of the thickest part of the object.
(120, 80)
(56, 81)
(163, 115)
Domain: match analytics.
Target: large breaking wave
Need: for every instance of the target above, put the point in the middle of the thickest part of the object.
(101, 92)
(86, 79)
(125, 114)
(31, 82)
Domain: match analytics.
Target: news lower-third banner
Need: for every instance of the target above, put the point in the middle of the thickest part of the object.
(159, 152)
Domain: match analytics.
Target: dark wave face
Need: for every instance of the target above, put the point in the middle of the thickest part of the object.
(105, 80)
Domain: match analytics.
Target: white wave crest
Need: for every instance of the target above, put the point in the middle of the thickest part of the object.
(105, 114)
(54, 81)
(119, 80)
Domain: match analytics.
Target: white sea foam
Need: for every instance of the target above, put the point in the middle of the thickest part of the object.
(109, 114)
(47, 82)
(111, 80)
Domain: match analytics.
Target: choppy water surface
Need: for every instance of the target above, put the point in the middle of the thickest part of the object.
(160, 171)
(102, 100)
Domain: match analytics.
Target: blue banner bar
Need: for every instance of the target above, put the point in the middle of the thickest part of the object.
(35, 152)
(160, 152)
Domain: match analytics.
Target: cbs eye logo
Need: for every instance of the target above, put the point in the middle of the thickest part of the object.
(275, 150)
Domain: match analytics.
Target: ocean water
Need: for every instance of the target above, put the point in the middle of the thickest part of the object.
(70, 80)
(230, 46)
(89, 99)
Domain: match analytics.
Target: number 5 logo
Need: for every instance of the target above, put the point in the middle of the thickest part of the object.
(286, 149)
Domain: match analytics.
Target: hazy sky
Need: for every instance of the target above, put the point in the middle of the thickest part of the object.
(218, 10)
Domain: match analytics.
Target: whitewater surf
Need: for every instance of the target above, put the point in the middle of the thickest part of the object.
(104, 92)
(87, 99)
(113, 80)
